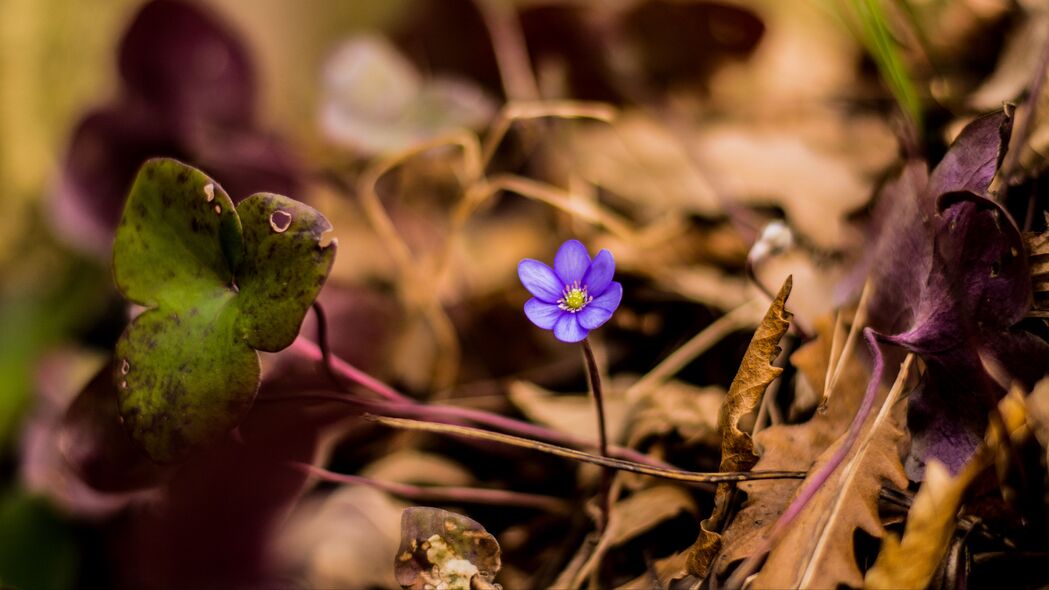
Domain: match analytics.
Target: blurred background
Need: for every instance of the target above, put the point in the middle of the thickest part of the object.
(669, 131)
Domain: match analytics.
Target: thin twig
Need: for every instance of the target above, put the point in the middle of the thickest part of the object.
(664, 473)
(839, 363)
(737, 319)
(563, 200)
(449, 494)
(1034, 92)
(557, 109)
(508, 45)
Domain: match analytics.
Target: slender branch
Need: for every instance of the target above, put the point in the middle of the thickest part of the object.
(594, 373)
(508, 45)
(566, 453)
(1034, 92)
(841, 360)
(737, 319)
(449, 494)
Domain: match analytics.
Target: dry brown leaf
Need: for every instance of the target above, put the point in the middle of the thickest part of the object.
(633, 516)
(1017, 62)
(679, 407)
(1038, 411)
(338, 541)
(416, 467)
(793, 447)
(912, 561)
(737, 448)
(662, 573)
(773, 163)
(639, 160)
(571, 414)
(817, 550)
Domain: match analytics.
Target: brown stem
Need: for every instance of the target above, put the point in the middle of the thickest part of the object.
(602, 432)
(618, 464)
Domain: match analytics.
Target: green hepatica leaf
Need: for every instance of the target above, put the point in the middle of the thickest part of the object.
(219, 283)
(285, 263)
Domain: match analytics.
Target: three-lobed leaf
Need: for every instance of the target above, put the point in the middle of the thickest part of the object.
(219, 283)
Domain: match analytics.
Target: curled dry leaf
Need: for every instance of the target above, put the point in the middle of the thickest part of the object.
(737, 448)
(441, 549)
(912, 561)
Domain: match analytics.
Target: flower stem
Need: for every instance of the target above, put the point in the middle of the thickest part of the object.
(594, 374)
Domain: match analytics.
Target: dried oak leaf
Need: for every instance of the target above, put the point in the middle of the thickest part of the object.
(737, 448)
(911, 562)
(817, 550)
(441, 549)
(792, 447)
(629, 518)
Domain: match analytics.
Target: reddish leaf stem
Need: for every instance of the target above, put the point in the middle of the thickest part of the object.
(449, 494)
(397, 404)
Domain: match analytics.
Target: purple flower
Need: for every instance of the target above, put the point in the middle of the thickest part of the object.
(574, 297)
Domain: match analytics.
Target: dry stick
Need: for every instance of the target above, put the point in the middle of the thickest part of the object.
(561, 199)
(410, 274)
(1034, 91)
(524, 111)
(451, 494)
(641, 469)
(594, 375)
(850, 344)
(739, 318)
(812, 485)
(396, 402)
(508, 45)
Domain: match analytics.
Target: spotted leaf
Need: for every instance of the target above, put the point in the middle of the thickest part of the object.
(218, 283)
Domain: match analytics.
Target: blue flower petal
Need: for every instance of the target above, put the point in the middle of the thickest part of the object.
(602, 307)
(540, 280)
(600, 273)
(592, 317)
(543, 314)
(567, 329)
(571, 261)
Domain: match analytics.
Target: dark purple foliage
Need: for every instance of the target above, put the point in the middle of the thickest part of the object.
(952, 281)
(187, 91)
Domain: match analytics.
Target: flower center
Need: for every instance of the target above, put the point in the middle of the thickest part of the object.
(574, 298)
